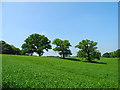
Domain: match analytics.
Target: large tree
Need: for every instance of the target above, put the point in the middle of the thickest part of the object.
(36, 43)
(88, 50)
(62, 46)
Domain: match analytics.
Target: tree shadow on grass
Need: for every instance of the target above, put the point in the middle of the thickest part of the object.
(95, 62)
(72, 59)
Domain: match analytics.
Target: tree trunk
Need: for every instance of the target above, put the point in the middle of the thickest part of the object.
(89, 60)
(63, 56)
(39, 54)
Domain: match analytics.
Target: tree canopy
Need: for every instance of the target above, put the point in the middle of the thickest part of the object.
(8, 49)
(36, 43)
(88, 50)
(114, 54)
(117, 53)
(106, 55)
(62, 46)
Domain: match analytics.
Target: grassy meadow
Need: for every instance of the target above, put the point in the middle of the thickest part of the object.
(54, 72)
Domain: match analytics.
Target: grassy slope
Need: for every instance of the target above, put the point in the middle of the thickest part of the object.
(52, 72)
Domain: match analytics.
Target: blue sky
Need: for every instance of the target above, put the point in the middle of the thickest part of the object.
(73, 21)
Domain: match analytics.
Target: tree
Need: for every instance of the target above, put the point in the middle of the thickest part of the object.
(15, 50)
(112, 54)
(96, 54)
(81, 54)
(36, 43)
(88, 50)
(117, 53)
(107, 55)
(6, 48)
(62, 46)
(22, 52)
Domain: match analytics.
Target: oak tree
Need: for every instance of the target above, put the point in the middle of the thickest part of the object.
(36, 43)
(62, 46)
(88, 50)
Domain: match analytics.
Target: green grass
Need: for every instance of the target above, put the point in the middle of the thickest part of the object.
(53, 72)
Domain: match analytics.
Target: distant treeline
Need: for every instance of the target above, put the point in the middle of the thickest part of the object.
(115, 54)
(9, 49)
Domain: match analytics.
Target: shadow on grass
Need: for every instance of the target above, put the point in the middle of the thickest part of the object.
(95, 62)
(72, 59)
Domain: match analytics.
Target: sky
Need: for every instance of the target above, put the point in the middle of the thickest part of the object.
(73, 21)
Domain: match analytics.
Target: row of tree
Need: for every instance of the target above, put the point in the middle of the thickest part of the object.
(39, 43)
(114, 54)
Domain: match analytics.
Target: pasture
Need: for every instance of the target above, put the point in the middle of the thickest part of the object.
(54, 72)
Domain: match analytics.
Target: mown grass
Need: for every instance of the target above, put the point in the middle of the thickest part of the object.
(53, 72)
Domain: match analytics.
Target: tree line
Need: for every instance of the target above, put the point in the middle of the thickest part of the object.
(39, 43)
(114, 54)
(9, 49)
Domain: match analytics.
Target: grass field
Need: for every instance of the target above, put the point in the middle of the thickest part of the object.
(53, 72)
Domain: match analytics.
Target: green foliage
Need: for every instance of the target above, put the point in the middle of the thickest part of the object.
(81, 54)
(36, 43)
(52, 72)
(95, 54)
(106, 55)
(62, 46)
(9, 49)
(6, 48)
(88, 50)
(22, 52)
(113, 54)
(117, 53)
(15, 50)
